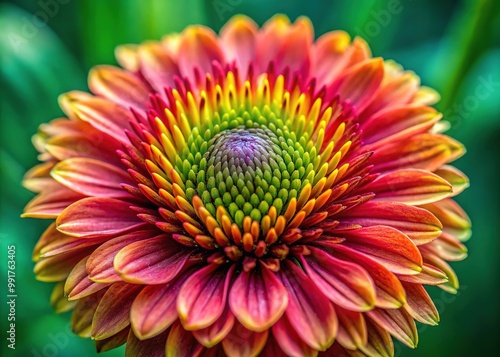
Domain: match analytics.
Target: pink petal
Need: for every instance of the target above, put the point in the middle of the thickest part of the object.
(308, 311)
(100, 264)
(272, 349)
(258, 299)
(343, 282)
(157, 66)
(289, 340)
(238, 38)
(429, 275)
(202, 298)
(155, 308)
(419, 304)
(119, 86)
(398, 123)
(213, 334)
(398, 323)
(352, 331)
(410, 186)
(418, 224)
(182, 343)
(78, 284)
(105, 116)
(269, 39)
(389, 291)
(388, 246)
(97, 216)
(113, 313)
(243, 342)
(331, 55)
(91, 177)
(152, 261)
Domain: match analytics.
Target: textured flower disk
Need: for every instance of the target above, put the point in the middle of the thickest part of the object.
(253, 193)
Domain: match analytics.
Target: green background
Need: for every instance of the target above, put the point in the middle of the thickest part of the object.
(453, 45)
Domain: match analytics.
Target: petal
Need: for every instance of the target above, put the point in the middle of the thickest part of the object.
(272, 349)
(398, 323)
(258, 299)
(78, 284)
(198, 47)
(343, 282)
(155, 308)
(238, 38)
(112, 342)
(243, 342)
(452, 285)
(269, 39)
(410, 186)
(104, 115)
(57, 268)
(83, 314)
(359, 84)
(308, 310)
(91, 177)
(422, 151)
(388, 246)
(389, 291)
(182, 343)
(455, 177)
(397, 124)
(289, 340)
(455, 221)
(157, 66)
(379, 341)
(113, 313)
(152, 347)
(58, 299)
(152, 261)
(97, 216)
(202, 298)
(429, 275)
(51, 202)
(352, 332)
(330, 55)
(100, 264)
(418, 224)
(419, 304)
(119, 86)
(447, 247)
(213, 334)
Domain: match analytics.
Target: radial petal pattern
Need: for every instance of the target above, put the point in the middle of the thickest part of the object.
(252, 193)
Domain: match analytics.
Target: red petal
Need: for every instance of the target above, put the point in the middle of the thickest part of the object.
(155, 308)
(419, 304)
(289, 340)
(452, 284)
(398, 323)
(157, 67)
(119, 86)
(331, 55)
(152, 261)
(389, 291)
(352, 331)
(411, 186)
(152, 347)
(272, 349)
(91, 177)
(345, 283)
(202, 298)
(100, 264)
(182, 343)
(447, 247)
(212, 335)
(428, 276)
(97, 216)
(243, 342)
(418, 224)
(258, 299)
(388, 246)
(113, 313)
(308, 311)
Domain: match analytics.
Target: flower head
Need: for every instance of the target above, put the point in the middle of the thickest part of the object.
(253, 193)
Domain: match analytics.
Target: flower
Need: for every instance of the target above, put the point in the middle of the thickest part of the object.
(253, 193)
